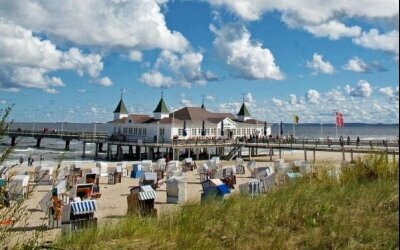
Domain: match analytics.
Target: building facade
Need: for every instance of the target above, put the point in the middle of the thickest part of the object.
(185, 123)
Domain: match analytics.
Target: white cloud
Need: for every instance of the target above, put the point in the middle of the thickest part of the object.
(313, 96)
(390, 92)
(104, 81)
(319, 65)
(156, 79)
(210, 97)
(362, 89)
(26, 60)
(292, 99)
(278, 102)
(186, 102)
(335, 96)
(184, 69)
(357, 65)
(247, 58)
(334, 30)
(321, 18)
(82, 90)
(135, 24)
(52, 91)
(388, 42)
(248, 97)
(135, 56)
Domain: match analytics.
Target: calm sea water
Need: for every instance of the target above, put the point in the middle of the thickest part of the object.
(53, 149)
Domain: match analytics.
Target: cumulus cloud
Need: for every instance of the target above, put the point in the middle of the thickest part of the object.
(333, 30)
(248, 98)
(313, 96)
(308, 11)
(335, 96)
(319, 65)
(26, 60)
(135, 24)
(247, 58)
(185, 69)
(292, 99)
(104, 81)
(388, 42)
(210, 97)
(156, 79)
(390, 92)
(357, 65)
(135, 56)
(278, 102)
(322, 18)
(362, 89)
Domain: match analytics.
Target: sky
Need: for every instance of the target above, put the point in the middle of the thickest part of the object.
(70, 61)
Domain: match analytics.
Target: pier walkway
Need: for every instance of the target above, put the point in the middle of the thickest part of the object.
(235, 147)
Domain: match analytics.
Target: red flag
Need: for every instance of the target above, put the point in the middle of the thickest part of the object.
(339, 119)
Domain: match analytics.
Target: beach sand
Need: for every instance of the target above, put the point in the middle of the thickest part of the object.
(113, 202)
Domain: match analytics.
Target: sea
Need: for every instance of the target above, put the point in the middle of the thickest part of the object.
(53, 149)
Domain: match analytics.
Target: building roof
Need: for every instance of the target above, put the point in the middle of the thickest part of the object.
(121, 108)
(133, 118)
(161, 107)
(243, 111)
(198, 114)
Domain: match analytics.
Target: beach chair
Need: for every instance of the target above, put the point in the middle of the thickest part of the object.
(103, 168)
(147, 166)
(267, 181)
(176, 190)
(251, 165)
(18, 187)
(252, 188)
(141, 201)
(214, 188)
(160, 164)
(137, 171)
(149, 179)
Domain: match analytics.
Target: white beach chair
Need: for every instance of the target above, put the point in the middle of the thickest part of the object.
(251, 165)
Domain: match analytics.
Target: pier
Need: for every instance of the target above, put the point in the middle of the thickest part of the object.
(119, 148)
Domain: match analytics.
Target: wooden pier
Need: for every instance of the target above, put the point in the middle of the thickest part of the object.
(225, 148)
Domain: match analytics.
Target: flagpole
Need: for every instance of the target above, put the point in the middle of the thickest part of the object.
(294, 127)
(336, 116)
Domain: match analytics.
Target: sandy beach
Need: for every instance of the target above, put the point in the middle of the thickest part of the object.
(113, 203)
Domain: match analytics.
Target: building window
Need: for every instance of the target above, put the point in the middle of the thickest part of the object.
(162, 131)
(129, 121)
(135, 131)
(140, 131)
(213, 131)
(125, 130)
(130, 131)
(207, 131)
(180, 132)
(144, 131)
(194, 132)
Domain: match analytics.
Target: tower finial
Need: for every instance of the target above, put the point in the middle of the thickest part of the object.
(202, 98)
(244, 96)
(162, 91)
(122, 93)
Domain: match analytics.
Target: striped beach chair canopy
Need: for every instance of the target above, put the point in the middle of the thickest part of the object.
(83, 207)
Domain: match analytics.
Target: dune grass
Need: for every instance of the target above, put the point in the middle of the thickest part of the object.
(359, 210)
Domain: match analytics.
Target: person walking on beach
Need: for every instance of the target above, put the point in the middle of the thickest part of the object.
(348, 140)
(21, 160)
(29, 161)
(358, 141)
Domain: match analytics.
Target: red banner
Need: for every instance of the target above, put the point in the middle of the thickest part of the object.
(339, 119)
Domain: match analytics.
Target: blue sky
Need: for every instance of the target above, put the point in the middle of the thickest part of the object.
(69, 60)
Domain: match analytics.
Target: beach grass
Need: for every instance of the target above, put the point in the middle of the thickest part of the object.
(358, 210)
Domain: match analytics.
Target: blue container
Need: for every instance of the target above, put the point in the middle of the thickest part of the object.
(2, 182)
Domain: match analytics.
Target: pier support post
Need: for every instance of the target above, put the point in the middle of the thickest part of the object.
(138, 154)
(150, 156)
(38, 140)
(197, 153)
(100, 147)
(96, 150)
(84, 149)
(130, 151)
(109, 151)
(13, 139)
(67, 145)
(250, 152)
(280, 153)
(120, 153)
(305, 154)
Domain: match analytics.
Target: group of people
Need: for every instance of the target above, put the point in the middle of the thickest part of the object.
(30, 160)
(341, 141)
